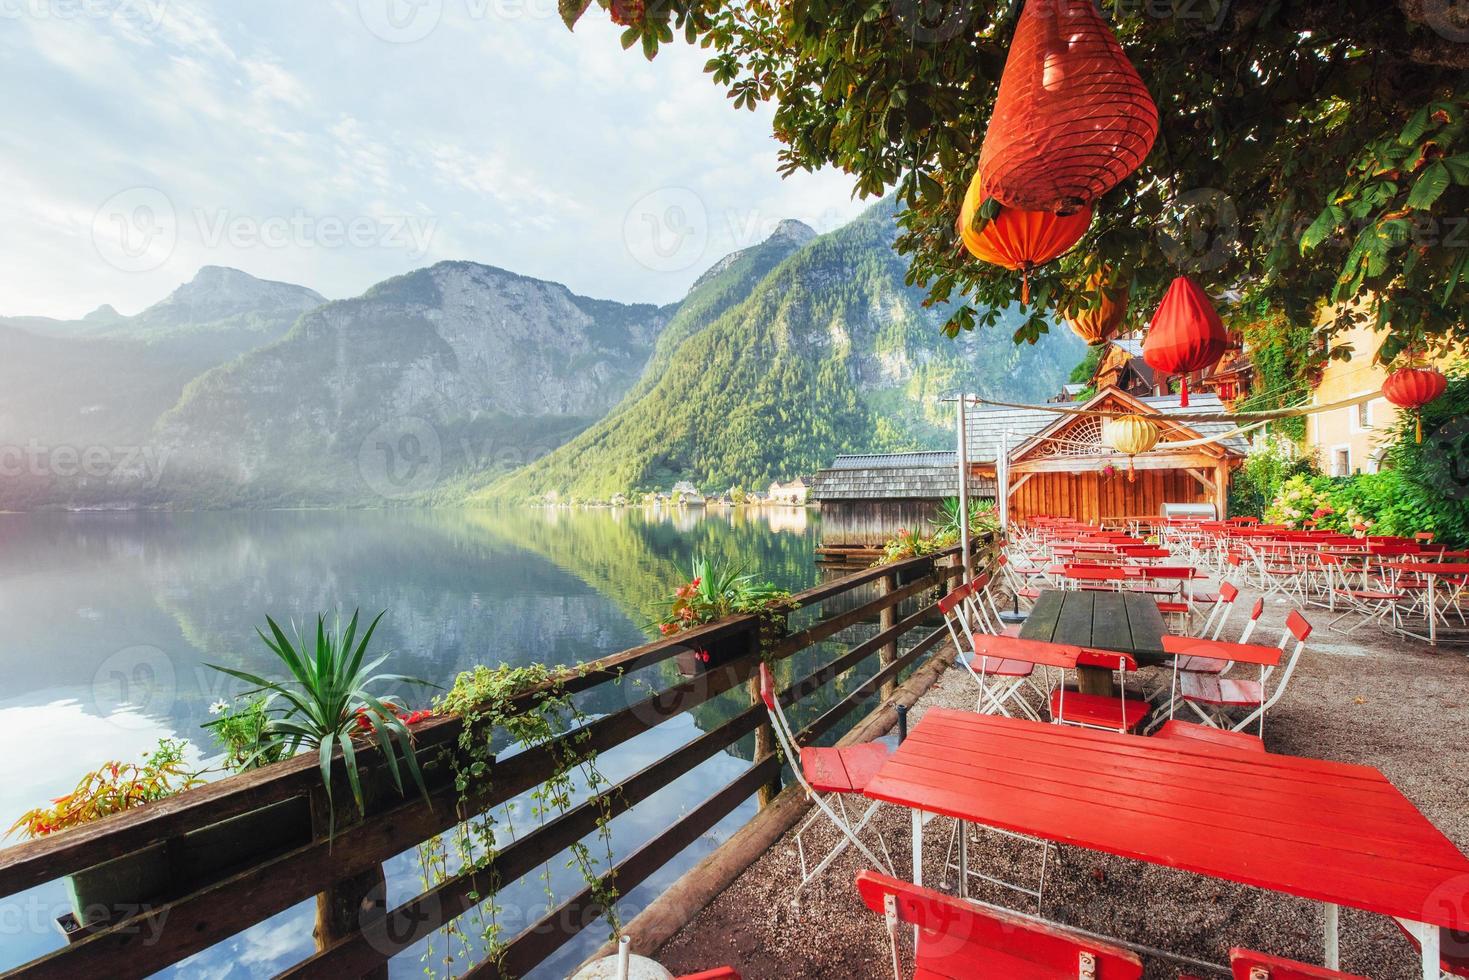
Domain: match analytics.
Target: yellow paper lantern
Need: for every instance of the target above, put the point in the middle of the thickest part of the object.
(1130, 434)
(1099, 325)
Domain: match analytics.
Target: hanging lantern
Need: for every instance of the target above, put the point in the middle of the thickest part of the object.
(1130, 434)
(1072, 117)
(1413, 388)
(1186, 333)
(1015, 239)
(1098, 325)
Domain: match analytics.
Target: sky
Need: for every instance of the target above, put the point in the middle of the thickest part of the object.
(335, 143)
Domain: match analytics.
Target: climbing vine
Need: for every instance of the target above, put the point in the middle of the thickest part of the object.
(526, 708)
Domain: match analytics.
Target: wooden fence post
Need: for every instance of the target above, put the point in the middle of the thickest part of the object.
(886, 619)
(764, 734)
(351, 904)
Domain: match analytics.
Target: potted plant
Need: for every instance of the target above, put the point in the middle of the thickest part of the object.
(718, 589)
(328, 701)
(124, 884)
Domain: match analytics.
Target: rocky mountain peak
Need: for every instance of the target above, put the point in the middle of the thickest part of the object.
(218, 292)
(103, 314)
(793, 231)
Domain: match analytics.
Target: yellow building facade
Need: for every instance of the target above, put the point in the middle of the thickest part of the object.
(1352, 440)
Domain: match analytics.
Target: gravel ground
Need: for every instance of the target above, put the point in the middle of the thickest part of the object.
(1393, 704)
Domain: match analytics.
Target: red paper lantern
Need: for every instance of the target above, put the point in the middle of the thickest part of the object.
(1186, 333)
(1072, 117)
(1413, 388)
(1015, 239)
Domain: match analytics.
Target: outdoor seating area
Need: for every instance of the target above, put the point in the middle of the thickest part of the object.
(1094, 790)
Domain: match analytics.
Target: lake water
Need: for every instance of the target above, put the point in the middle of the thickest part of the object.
(110, 620)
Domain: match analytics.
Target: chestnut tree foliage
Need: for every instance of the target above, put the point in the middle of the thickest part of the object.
(1310, 152)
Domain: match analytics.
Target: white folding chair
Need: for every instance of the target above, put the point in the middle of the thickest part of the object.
(1213, 697)
(1001, 682)
(828, 774)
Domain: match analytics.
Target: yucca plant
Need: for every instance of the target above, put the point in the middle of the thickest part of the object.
(717, 589)
(328, 698)
(983, 517)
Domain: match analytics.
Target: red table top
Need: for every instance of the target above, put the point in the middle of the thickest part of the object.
(1430, 567)
(1325, 831)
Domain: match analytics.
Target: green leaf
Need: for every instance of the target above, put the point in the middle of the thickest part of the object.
(1458, 167)
(1416, 127)
(1326, 222)
(571, 11)
(1429, 186)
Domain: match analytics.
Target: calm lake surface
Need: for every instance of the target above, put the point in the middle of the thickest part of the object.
(110, 620)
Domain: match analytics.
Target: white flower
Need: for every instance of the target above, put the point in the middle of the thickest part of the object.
(219, 707)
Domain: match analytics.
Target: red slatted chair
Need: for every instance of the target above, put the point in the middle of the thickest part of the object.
(1250, 965)
(1116, 714)
(828, 774)
(1001, 682)
(1210, 665)
(1213, 624)
(1174, 730)
(958, 940)
(1212, 697)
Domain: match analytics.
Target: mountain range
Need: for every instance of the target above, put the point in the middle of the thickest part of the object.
(464, 382)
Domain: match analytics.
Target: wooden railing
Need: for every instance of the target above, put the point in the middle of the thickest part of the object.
(355, 933)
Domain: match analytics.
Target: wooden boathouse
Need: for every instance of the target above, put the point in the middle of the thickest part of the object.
(866, 499)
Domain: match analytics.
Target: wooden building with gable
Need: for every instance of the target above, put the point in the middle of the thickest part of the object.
(1059, 462)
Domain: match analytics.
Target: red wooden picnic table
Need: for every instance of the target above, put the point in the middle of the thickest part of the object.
(1432, 571)
(1329, 832)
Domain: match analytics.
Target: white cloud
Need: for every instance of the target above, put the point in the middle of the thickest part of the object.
(525, 144)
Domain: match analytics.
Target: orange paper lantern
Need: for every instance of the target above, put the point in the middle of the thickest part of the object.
(1099, 324)
(1019, 240)
(1186, 333)
(1072, 117)
(1413, 388)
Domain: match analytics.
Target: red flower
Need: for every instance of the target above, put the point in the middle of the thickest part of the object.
(667, 629)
